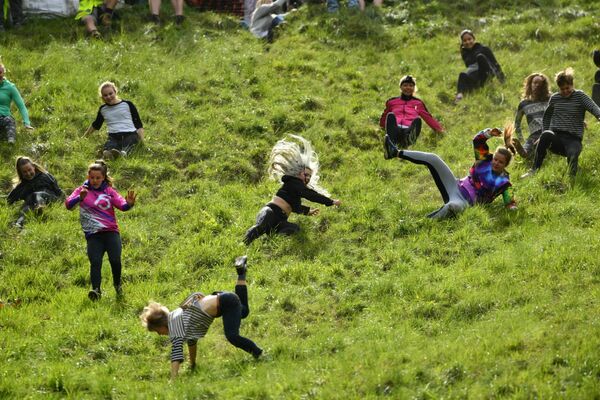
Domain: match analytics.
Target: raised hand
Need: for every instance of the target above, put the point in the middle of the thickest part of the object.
(83, 193)
(337, 202)
(130, 197)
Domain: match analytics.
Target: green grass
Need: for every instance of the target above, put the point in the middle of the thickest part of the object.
(371, 299)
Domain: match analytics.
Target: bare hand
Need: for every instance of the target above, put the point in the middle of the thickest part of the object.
(29, 127)
(337, 202)
(140, 133)
(313, 211)
(130, 197)
(83, 193)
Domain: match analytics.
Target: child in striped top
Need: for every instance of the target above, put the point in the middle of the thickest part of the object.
(97, 200)
(191, 320)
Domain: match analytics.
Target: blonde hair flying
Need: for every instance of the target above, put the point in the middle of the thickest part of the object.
(292, 155)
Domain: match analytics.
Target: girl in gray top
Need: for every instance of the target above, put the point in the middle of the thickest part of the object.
(263, 20)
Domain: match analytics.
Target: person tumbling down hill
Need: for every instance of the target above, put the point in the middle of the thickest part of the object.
(266, 16)
(401, 118)
(487, 177)
(296, 164)
(191, 320)
(563, 123)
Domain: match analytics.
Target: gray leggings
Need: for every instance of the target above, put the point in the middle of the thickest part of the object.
(444, 179)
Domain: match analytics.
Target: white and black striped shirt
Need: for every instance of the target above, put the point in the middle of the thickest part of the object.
(567, 114)
(189, 325)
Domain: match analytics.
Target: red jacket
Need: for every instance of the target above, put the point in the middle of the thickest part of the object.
(406, 111)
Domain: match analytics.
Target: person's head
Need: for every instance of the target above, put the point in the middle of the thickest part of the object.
(98, 173)
(294, 156)
(501, 159)
(467, 39)
(564, 81)
(108, 92)
(536, 87)
(408, 85)
(27, 169)
(155, 318)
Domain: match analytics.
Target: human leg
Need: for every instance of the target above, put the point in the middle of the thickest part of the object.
(441, 173)
(231, 309)
(266, 221)
(113, 248)
(287, 228)
(572, 148)
(16, 12)
(530, 144)
(9, 125)
(333, 6)
(95, 253)
(413, 131)
(547, 138)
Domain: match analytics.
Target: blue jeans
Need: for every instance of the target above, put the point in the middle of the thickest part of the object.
(334, 5)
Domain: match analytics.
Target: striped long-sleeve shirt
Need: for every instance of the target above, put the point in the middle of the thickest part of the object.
(187, 324)
(567, 114)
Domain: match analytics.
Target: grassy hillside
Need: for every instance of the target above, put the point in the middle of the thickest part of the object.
(371, 299)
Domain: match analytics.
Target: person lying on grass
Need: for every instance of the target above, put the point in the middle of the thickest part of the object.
(404, 113)
(191, 320)
(486, 180)
(35, 186)
(296, 164)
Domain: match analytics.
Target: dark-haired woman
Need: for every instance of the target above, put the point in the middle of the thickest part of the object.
(480, 62)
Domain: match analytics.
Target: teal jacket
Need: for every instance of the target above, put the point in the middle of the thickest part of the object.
(8, 93)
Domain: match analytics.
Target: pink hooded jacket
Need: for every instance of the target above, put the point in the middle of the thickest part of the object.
(407, 110)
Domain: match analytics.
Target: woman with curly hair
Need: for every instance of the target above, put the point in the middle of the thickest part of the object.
(536, 92)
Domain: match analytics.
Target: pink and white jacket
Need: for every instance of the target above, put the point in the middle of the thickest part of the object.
(96, 211)
(407, 109)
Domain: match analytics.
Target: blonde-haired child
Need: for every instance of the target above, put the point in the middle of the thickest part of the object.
(125, 128)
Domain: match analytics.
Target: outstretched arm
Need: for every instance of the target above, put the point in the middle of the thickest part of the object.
(192, 349)
(480, 142)
(428, 118)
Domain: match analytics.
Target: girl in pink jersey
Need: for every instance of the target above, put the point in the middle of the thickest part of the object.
(97, 200)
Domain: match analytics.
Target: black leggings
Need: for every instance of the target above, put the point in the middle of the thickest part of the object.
(475, 75)
(234, 308)
(561, 143)
(270, 218)
(34, 201)
(97, 245)
(403, 136)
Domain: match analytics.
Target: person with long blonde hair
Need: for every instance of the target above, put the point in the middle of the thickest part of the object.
(293, 162)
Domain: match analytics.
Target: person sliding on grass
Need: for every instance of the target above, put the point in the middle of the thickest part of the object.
(97, 200)
(487, 177)
(191, 320)
(8, 94)
(35, 186)
(563, 123)
(404, 113)
(480, 62)
(125, 128)
(297, 165)
(536, 92)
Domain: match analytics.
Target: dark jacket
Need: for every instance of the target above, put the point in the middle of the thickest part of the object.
(469, 56)
(41, 182)
(294, 190)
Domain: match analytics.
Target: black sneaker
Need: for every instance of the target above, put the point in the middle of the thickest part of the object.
(389, 149)
(179, 19)
(597, 58)
(391, 128)
(413, 133)
(94, 294)
(119, 291)
(240, 264)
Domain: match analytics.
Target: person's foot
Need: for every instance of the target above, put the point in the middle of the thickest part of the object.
(241, 265)
(107, 155)
(389, 149)
(95, 34)
(257, 354)
(179, 19)
(529, 173)
(11, 140)
(115, 153)
(596, 57)
(119, 291)
(155, 19)
(106, 19)
(94, 294)
(458, 98)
